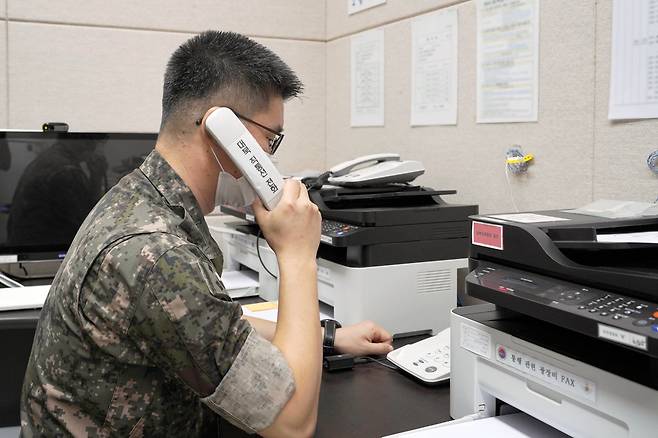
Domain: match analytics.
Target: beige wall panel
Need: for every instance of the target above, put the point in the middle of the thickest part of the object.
(620, 169)
(304, 144)
(92, 78)
(111, 79)
(3, 75)
(287, 19)
(339, 23)
(470, 157)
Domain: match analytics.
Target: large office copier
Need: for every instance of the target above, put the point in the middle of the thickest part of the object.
(570, 334)
(389, 253)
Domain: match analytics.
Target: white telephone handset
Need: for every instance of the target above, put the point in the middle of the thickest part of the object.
(344, 168)
(375, 169)
(243, 149)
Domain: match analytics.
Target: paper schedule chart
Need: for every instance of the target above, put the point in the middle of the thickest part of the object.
(367, 78)
(434, 69)
(634, 71)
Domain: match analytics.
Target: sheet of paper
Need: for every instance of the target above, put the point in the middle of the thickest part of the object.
(640, 237)
(506, 426)
(434, 69)
(507, 61)
(240, 279)
(528, 218)
(651, 211)
(612, 209)
(354, 6)
(634, 69)
(367, 78)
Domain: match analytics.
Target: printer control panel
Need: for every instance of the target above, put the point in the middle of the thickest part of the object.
(332, 230)
(607, 315)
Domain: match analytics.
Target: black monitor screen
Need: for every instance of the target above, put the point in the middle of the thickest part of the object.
(49, 182)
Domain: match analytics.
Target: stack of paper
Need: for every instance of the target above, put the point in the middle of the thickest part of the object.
(241, 283)
(18, 298)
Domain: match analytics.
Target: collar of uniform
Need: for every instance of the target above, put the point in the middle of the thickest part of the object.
(172, 187)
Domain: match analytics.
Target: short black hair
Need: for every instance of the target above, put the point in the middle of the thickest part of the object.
(228, 66)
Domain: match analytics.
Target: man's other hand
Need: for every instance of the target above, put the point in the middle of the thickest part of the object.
(363, 339)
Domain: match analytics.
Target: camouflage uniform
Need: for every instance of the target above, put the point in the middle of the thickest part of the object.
(137, 336)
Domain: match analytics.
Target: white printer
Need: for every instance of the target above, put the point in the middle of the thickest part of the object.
(392, 254)
(570, 333)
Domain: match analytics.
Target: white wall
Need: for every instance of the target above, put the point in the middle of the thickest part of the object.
(580, 155)
(98, 65)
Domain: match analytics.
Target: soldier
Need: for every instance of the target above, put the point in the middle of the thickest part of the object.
(137, 336)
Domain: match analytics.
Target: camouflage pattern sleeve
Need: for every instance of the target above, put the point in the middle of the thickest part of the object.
(188, 327)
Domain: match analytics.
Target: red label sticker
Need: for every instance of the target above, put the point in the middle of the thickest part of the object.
(488, 235)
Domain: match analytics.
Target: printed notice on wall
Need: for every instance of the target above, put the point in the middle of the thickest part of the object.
(634, 70)
(434, 69)
(507, 61)
(354, 6)
(367, 71)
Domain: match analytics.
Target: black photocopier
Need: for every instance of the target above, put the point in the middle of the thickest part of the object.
(571, 334)
(389, 253)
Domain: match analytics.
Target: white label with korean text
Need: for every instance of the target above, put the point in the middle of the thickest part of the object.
(563, 380)
(326, 239)
(623, 337)
(475, 340)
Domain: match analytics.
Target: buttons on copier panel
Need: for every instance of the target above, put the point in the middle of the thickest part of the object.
(618, 308)
(330, 228)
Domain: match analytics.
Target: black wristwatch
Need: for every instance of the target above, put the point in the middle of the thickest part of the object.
(330, 326)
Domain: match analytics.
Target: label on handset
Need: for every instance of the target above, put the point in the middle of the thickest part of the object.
(243, 149)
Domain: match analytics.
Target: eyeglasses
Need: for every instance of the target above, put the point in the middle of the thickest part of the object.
(273, 142)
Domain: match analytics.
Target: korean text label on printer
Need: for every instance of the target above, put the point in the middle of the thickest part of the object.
(243, 149)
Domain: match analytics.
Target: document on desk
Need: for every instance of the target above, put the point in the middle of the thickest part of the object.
(634, 69)
(507, 61)
(268, 310)
(434, 69)
(506, 426)
(367, 78)
(21, 298)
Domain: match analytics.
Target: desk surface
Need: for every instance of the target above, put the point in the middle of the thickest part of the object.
(368, 401)
(374, 401)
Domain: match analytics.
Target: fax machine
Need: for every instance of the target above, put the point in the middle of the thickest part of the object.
(570, 334)
(388, 253)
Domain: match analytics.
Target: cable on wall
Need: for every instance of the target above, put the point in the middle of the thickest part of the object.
(652, 162)
(516, 163)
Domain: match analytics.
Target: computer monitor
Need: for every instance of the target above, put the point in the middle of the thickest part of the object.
(50, 181)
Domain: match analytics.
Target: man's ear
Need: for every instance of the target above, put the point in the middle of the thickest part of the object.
(205, 117)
